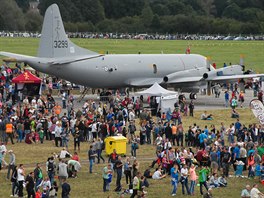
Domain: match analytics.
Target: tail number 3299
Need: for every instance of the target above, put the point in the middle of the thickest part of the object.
(61, 44)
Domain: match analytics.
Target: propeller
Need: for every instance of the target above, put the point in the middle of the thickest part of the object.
(209, 83)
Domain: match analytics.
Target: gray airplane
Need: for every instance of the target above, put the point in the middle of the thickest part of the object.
(58, 56)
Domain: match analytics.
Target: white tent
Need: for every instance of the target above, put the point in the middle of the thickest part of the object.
(156, 90)
(166, 98)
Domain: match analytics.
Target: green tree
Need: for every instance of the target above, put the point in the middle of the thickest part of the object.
(232, 11)
(24, 4)
(33, 21)
(12, 15)
(147, 14)
(92, 10)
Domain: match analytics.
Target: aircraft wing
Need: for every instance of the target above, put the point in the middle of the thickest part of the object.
(185, 80)
(234, 77)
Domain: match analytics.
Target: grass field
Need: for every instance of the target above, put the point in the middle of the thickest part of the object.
(218, 51)
(90, 185)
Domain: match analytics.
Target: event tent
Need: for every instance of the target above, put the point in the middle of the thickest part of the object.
(156, 90)
(27, 84)
(166, 98)
(26, 77)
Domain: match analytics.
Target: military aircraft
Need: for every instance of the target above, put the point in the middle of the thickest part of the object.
(58, 56)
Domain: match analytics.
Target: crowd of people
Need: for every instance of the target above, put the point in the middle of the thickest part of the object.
(186, 155)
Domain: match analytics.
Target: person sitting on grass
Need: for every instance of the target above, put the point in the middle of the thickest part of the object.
(157, 175)
(205, 116)
(222, 181)
(213, 181)
(234, 114)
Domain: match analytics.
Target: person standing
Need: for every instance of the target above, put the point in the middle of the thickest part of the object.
(91, 157)
(62, 171)
(119, 168)
(99, 147)
(174, 178)
(193, 178)
(184, 179)
(66, 189)
(20, 179)
(203, 173)
(12, 163)
(107, 176)
(76, 139)
(226, 99)
(51, 166)
(136, 185)
(225, 161)
(9, 131)
(191, 108)
(127, 170)
(38, 176)
(30, 185)
(58, 132)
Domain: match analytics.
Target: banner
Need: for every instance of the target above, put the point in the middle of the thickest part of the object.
(258, 110)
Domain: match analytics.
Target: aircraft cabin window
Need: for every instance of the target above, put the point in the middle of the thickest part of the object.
(155, 69)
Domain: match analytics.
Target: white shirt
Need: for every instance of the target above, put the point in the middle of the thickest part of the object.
(20, 177)
(3, 148)
(254, 193)
(184, 171)
(94, 127)
(63, 154)
(167, 145)
(156, 175)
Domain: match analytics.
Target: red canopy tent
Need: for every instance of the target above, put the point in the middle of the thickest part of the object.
(26, 77)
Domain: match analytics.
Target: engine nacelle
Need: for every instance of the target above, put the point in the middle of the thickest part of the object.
(225, 71)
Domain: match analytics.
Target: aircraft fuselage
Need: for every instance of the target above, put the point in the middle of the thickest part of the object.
(113, 71)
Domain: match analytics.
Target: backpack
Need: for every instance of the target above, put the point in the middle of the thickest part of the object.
(50, 166)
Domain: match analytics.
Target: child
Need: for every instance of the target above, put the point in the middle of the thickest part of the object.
(38, 194)
(41, 135)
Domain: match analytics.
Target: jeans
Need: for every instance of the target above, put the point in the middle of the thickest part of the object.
(10, 167)
(20, 135)
(91, 161)
(106, 185)
(99, 155)
(118, 179)
(201, 187)
(174, 188)
(14, 188)
(20, 188)
(225, 169)
(192, 187)
(185, 185)
(51, 176)
(39, 180)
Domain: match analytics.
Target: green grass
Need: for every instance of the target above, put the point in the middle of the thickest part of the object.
(90, 185)
(219, 51)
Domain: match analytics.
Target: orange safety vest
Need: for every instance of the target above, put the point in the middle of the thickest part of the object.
(9, 128)
(174, 130)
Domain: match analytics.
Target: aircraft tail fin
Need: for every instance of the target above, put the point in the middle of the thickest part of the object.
(54, 41)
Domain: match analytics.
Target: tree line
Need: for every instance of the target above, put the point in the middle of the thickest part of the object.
(141, 16)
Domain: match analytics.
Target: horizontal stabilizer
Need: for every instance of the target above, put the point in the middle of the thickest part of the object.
(15, 57)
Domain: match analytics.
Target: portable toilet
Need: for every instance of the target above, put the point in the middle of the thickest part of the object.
(115, 142)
